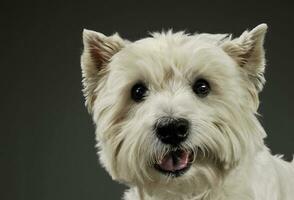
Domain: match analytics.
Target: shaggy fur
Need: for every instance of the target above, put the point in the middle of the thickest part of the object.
(230, 159)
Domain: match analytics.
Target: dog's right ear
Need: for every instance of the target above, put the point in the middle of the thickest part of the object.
(248, 51)
(98, 51)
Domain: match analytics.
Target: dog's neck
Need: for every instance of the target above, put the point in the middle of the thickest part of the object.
(239, 179)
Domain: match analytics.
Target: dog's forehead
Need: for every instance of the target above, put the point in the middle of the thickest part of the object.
(161, 56)
(172, 46)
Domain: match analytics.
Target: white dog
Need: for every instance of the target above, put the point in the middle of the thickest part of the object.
(175, 116)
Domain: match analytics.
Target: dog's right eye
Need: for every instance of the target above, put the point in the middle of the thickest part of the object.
(201, 88)
(138, 92)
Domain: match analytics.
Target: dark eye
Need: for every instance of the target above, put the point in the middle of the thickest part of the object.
(201, 88)
(138, 92)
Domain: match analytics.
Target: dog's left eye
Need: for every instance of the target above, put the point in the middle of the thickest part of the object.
(201, 87)
(138, 92)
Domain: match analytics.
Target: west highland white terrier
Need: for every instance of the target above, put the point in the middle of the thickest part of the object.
(175, 116)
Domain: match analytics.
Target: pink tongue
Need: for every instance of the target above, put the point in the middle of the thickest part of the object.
(174, 161)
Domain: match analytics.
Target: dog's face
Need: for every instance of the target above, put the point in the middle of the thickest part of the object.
(174, 108)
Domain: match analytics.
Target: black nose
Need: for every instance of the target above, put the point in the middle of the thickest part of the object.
(172, 131)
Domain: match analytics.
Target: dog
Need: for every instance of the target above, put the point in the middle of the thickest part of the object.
(176, 116)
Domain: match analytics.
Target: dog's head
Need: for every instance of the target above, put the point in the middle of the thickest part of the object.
(174, 107)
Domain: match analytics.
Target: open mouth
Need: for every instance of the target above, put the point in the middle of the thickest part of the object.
(175, 163)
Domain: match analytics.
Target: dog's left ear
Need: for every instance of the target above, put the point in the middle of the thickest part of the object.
(98, 51)
(248, 52)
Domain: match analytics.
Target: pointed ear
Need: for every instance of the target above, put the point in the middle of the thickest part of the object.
(98, 51)
(248, 52)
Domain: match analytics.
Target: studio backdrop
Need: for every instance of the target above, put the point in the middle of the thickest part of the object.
(47, 146)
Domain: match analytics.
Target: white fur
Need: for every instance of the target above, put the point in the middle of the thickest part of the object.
(235, 164)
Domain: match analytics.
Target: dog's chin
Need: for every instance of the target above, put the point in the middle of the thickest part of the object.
(175, 163)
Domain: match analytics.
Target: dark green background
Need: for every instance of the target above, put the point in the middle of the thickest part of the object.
(47, 138)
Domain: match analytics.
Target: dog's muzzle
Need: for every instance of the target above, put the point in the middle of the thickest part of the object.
(172, 132)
